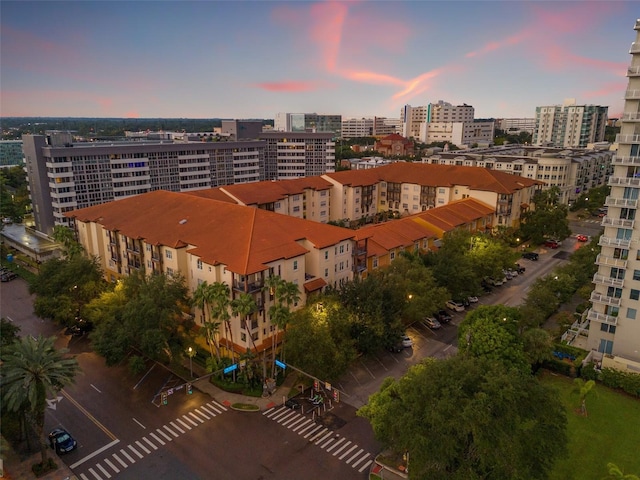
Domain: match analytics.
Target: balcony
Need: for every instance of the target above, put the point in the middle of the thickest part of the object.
(633, 71)
(252, 286)
(621, 202)
(631, 117)
(602, 317)
(632, 95)
(602, 259)
(624, 181)
(635, 47)
(608, 281)
(627, 161)
(627, 138)
(604, 299)
(617, 222)
(614, 242)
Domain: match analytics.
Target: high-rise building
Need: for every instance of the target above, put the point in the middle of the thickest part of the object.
(308, 122)
(10, 153)
(569, 125)
(614, 319)
(291, 154)
(64, 176)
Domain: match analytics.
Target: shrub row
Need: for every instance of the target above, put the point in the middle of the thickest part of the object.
(628, 382)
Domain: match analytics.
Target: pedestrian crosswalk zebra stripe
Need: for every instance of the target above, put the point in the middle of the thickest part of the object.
(103, 470)
(140, 445)
(306, 422)
(296, 421)
(355, 455)
(336, 444)
(164, 434)
(187, 419)
(113, 467)
(341, 448)
(170, 431)
(312, 431)
(93, 472)
(173, 424)
(365, 465)
(132, 448)
(348, 452)
(151, 444)
(157, 438)
(324, 437)
(364, 457)
(196, 417)
(119, 460)
(188, 427)
(199, 412)
(129, 457)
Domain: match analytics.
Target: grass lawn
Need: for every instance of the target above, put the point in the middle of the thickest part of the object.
(611, 432)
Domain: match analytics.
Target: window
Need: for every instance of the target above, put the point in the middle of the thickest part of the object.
(631, 313)
(441, 190)
(634, 295)
(614, 292)
(199, 264)
(605, 327)
(295, 265)
(636, 274)
(296, 208)
(392, 255)
(617, 273)
(170, 271)
(326, 272)
(606, 346)
(168, 254)
(326, 254)
(375, 263)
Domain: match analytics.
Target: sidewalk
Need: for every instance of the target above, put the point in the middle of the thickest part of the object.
(16, 468)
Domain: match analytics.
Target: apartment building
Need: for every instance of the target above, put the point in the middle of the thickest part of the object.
(444, 122)
(614, 318)
(369, 127)
(297, 154)
(307, 198)
(513, 126)
(179, 233)
(64, 176)
(241, 129)
(569, 124)
(572, 170)
(308, 122)
(10, 153)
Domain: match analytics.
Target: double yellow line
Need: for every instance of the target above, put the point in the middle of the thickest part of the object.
(88, 415)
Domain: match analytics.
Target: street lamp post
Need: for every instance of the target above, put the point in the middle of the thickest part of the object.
(191, 352)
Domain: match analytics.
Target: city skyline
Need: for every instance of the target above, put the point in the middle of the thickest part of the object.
(214, 59)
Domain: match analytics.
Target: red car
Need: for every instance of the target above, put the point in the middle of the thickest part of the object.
(551, 244)
(582, 238)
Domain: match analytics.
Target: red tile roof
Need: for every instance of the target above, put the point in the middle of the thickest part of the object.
(243, 238)
(259, 193)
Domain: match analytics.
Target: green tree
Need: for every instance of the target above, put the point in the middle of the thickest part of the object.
(470, 418)
(549, 219)
(65, 236)
(8, 332)
(33, 369)
(202, 297)
(243, 306)
(220, 310)
(146, 313)
(583, 389)
(616, 473)
(285, 294)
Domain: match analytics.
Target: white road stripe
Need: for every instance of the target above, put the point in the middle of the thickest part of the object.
(355, 455)
(113, 467)
(307, 421)
(282, 413)
(98, 477)
(322, 439)
(365, 465)
(297, 421)
(217, 406)
(196, 417)
(311, 424)
(211, 412)
(348, 452)
(336, 444)
(203, 414)
(156, 438)
(135, 451)
(333, 437)
(150, 443)
(311, 432)
(364, 457)
(286, 417)
(129, 457)
(83, 476)
(124, 465)
(103, 470)
(190, 421)
(165, 435)
(173, 424)
(188, 427)
(139, 444)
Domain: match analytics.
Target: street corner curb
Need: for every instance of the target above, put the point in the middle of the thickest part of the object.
(245, 407)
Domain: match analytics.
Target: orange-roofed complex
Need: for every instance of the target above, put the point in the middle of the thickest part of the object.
(215, 241)
(394, 145)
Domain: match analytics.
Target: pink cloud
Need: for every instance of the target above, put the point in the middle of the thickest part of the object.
(288, 86)
(607, 89)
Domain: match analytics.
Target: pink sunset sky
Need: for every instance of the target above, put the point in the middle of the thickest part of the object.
(209, 59)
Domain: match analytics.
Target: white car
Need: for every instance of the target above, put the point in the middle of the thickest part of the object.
(472, 299)
(455, 306)
(407, 342)
(432, 323)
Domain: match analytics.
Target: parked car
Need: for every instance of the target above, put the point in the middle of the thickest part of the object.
(395, 347)
(472, 299)
(61, 441)
(519, 268)
(455, 306)
(494, 282)
(582, 238)
(442, 316)
(432, 323)
(8, 276)
(407, 342)
(530, 256)
(292, 403)
(551, 244)
(79, 328)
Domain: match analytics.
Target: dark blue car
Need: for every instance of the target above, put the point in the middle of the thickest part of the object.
(61, 441)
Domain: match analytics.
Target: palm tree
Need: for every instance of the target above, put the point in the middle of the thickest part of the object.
(583, 388)
(616, 473)
(243, 306)
(290, 295)
(32, 370)
(220, 310)
(273, 284)
(203, 297)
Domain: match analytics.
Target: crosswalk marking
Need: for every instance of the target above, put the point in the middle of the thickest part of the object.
(361, 459)
(311, 432)
(211, 412)
(150, 443)
(217, 407)
(336, 444)
(355, 455)
(103, 470)
(196, 417)
(131, 447)
(164, 434)
(173, 424)
(188, 427)
(348, 452)
(83, 476)
(93, 472)
(129, 457)
(328, 441)
(342, 448)
(306, 422)
(124, 465)
(203, 414)
(113, 467)
(322, 439)
(297, 420)
(170, 431)
(190, 421)
(365, 465)
(157, 438)
(146, 450)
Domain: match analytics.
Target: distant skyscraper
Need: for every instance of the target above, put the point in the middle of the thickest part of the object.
(569, 125)
(308, 122)
(10, 153)
(298, 154)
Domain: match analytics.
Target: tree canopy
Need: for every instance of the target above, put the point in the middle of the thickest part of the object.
(549, 219)
(470, 418)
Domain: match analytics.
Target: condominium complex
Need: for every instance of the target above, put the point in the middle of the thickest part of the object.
(443, 122)
(614, 319)
(370, 127)
(10, 153)
(569, 125)
(64, 176)
(308, 122)
(513, 126)
(573, 170)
